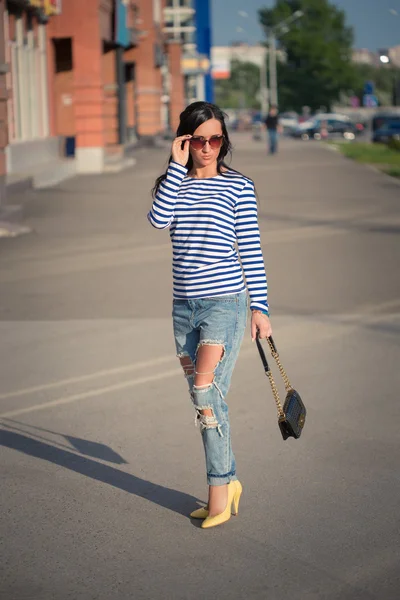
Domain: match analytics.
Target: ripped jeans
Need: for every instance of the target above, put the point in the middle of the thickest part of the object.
(219, 321)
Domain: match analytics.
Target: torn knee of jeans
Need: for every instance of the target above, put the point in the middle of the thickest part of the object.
(212, 343)
(208, 381)
(207, 421)
(187, 364)
(202, 389)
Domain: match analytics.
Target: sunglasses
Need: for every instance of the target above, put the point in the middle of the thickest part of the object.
(215, 142)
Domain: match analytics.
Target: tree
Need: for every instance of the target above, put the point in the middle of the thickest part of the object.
(318, 48)
(385, 79)
(241, 90)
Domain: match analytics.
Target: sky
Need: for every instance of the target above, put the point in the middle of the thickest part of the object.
(374, 25)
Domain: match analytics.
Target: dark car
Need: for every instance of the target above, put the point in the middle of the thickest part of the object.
(386, 127)
(329, 127)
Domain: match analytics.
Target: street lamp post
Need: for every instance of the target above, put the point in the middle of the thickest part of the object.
(384, 57)
(271, 34)
(273, 82)
(264, 84)
(263, 72)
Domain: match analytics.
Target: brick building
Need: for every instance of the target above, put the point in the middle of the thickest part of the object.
(24, 116)
(109, 68)
(83, 78)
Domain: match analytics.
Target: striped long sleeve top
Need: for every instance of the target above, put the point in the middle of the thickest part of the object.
(209, 219)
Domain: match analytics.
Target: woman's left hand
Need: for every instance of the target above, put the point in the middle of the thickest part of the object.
(260, 322)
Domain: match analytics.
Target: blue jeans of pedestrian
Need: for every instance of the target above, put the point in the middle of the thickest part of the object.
(219, 321)
(273, 141)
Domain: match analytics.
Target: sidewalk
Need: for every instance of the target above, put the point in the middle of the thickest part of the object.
(97, 426)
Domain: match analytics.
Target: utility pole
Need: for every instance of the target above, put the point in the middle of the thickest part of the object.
(283, 26)
(273, 84)
(264, 84)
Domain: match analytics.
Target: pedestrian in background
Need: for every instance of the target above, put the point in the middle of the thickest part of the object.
(273, 129)
(209, 208)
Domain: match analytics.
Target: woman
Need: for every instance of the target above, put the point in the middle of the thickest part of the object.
(210, 208)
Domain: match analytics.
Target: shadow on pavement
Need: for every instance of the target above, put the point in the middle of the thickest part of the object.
(86, 447)
(174, 500)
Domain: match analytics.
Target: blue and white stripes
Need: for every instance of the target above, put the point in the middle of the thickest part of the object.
(207, 217)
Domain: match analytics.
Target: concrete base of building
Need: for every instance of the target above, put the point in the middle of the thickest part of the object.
(41, 176)
(22, 157)
(101, 160)
(37, 164)
(90, 160)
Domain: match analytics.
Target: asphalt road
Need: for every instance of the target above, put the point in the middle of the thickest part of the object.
(100, 459)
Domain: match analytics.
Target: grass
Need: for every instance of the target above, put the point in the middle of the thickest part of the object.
(379, 155)
(373, 154)
(392, 171)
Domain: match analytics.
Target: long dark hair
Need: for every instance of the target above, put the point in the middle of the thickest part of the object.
(190, 119)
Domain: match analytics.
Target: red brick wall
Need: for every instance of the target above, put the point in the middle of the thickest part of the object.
(110, 98)
(148, 76)
(177, 91)
(88, 23)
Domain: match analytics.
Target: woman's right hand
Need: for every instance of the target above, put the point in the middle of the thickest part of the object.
(179, 155)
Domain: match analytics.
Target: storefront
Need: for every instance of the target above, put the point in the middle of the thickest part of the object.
(25, 40)
(25, 36)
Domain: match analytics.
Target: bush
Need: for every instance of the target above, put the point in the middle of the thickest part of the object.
(394, 144)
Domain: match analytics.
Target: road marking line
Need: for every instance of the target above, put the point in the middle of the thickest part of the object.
(91, 393)
(247, 348)
(103, 373)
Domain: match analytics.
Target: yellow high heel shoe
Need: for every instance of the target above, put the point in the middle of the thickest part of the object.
(200, 513)
(234, 492)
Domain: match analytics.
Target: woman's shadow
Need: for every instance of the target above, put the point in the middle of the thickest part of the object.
(174, 500)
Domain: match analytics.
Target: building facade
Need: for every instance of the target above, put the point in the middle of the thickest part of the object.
(90, 81)
(83, 79)
(25, 118)
(111, 63)
(189, 22)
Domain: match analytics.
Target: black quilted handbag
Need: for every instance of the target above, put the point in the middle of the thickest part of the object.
(292, 416)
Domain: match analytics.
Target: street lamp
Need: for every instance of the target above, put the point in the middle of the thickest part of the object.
(271, 34)
(384, 58)
(263, 72)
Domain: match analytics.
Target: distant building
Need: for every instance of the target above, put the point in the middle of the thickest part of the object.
(189, 22)
(80, 82)
(222, 56)
(394, 55)
(363, 56)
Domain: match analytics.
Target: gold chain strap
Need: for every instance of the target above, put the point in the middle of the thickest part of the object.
(275, 393)
(282, 371)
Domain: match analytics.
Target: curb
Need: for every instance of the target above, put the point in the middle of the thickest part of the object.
(395, 180)
(368, 166)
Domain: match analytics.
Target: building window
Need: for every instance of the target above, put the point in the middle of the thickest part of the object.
(27, 81)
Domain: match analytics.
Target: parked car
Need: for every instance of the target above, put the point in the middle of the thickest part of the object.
(288, 121)
(325, 126)
(386, 127)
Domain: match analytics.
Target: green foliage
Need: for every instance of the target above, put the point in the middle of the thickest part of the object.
(241, 89)
(318, 47)
(392, 171)
(394, 145)
(378, 154)
(383, 78)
